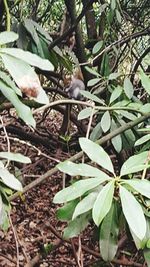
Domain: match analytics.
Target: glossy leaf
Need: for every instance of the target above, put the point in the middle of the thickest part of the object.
(76, 190)
(81, 169)
(6, 79)
(97, 47)
(128, 88)
(145, 81)
(118, 15)
(105, 122)
(115, 94)
(25, 77)
(142, 244)
(96, 153)
(85, 113)
(96, 132)
(134, 164)
(147, 256)
(142, 140)
(113, 4)
(117, 140)
(92, 97)
(23, 111)
(65, 213)
(141, 186)
(8, 37)
(92, 71)
(103, 203)
(85, 204)
(9, 179)
(28, 57)
(133, 213)
(109, 235)
(15, 157)
(93, 81)
(145, 108)
(1, 206)
(113, 76)
(76, 226)
(127, 115)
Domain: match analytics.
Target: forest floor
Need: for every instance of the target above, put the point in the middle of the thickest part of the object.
(34, 237)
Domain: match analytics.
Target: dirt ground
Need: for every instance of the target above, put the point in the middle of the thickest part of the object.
(34, 237)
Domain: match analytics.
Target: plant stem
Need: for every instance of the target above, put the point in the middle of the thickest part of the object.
(71, 101)
(7, 15)
(77, 156)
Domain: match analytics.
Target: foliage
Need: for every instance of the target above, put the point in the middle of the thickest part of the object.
(105, 198)
(35, 46)
(7, 179)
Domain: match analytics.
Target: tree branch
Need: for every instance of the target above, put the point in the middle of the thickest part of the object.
(77, 156)
(72, 28)
(121, 42)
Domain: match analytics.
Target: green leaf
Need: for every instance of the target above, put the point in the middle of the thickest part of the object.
(65, 213)
(92, 71)
(117, 140)
(76, 226)
(93, 81)
(145, 81)
(128, 88)
(113, 76)
(85, 113)
(96, 153)
(41, 30)
(113, 4)
(147, 130)
(97, 47)
(28, 57)
(1, 205)
(127, 114)
(133, 213)
(141, 186)
(23, 111)
(147, 256)
(115, 94)
(92, 97)
(25, 77)
(9, 179)
(8, 37)
(76, 190)
(105, 122)
(148, 244)
(109, 234)
(103, 203)
(15, 157)
(142, 140)
(6, 79)
(118, 15)
(122, 103)
(139, 243)
(85, 204)
(32, 31)
(4, 221)
(81, 169)
(96, 132)
(145, 108)
(134, 163)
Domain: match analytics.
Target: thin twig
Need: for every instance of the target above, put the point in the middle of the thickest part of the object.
(16, 240)
(77, 156)
(121, 42)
